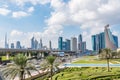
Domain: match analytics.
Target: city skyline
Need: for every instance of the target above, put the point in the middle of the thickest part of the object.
(49, 19)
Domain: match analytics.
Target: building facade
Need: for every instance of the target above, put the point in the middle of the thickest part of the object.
(104, 40)
(81, 44)
(74, 44)
(60, 43)
(110, 40)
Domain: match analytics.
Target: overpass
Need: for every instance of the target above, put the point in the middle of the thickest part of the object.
(28, 52)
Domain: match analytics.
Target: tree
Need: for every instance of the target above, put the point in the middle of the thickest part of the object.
(20, 68)
(51, 60)
(107, 53)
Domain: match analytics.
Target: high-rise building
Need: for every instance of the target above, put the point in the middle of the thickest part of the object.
(18, 45)
(80, 38)
(60, 43)
(104, 40)
(63, 45)
(35, 44)
(81, 44)
(74, 44)
(12, 45)
(41, 44)
(6, 44)
(32, 43)
(68, 44)
(109, 39)
(50, 45)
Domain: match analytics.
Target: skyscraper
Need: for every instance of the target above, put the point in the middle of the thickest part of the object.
(60, 43)
(18, 45)
(80, 38)
(50, 45)
(35, 44)
(41, 44)
(32, 43)
(68, 44)
(63, 45)
(6, 44)
(109, 39)
(104, 40)
(81, 44)
(12, 45)
(74, 44)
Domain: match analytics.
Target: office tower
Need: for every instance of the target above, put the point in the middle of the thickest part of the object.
(41, 44)
(64, 45)
(116, 40)
(104, 40)
(80, 38)
(32, 43)
(68, 44)
(81, 44)
(6, 44)
(109, 40)
(83, 47)
(18, 45)
(50, 45)
(12, 45)
(74, 44)
(35, 44)
(60, 43)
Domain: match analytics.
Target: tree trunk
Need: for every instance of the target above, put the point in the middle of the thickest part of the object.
(51, 71)
(108, 64)
(22, 75)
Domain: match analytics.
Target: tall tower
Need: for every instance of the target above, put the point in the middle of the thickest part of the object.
(74, 44)
(109, 40)
(32, 43)
(41, 44)
(80, 38)
(50, 45)
(6, 44)
(60, 43)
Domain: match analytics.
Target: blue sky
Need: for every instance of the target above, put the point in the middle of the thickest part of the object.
(49, 19)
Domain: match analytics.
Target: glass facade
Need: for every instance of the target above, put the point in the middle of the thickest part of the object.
(104, 40)
(60, 42)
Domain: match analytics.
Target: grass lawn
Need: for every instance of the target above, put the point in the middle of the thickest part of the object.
(4, 58)
(94, 60)
(90, 61)
(87, 73)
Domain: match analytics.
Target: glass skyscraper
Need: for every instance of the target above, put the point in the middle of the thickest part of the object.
(110, 40)
(104, 40)
(63, 45)
(60, 42)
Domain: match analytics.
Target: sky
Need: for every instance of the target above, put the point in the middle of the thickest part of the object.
(49, 19)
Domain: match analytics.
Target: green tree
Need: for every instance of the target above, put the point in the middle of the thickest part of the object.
(107, 53)
(51, 60)
(20, 68)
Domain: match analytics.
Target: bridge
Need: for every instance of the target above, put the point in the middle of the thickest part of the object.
(28, 52)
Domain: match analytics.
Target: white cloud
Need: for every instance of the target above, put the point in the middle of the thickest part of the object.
(33, 2)
(16, 33)
(31, 9)
(90, 15)
(19, 14)
(50, 33)
(4, 11)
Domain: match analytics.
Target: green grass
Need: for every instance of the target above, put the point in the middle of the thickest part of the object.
(93, 73)
(95, 60)
(5, 58)
(90, 61)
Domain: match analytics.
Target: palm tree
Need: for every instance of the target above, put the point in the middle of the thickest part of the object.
(107, 52)
(51, 60)
(20, 68)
